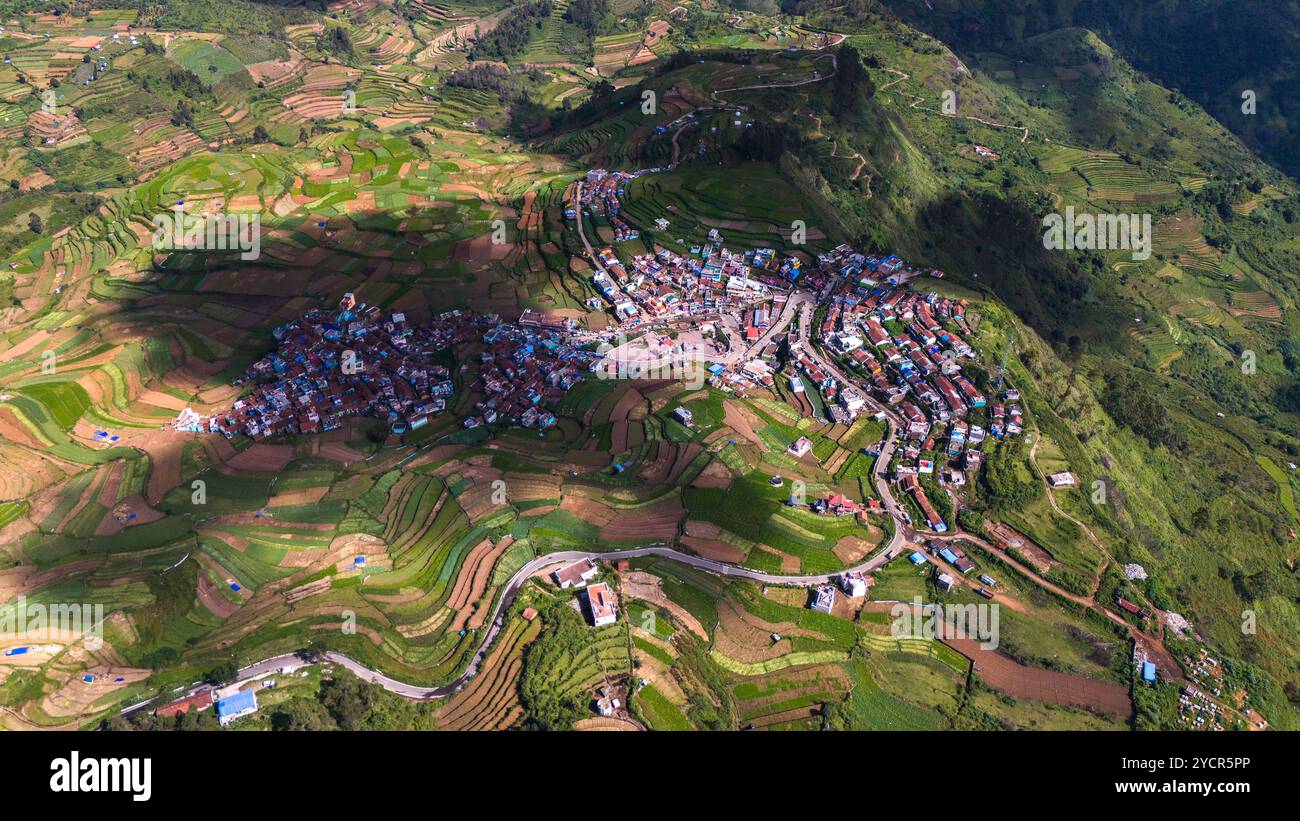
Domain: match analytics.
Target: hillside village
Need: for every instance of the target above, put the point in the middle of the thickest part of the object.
(902, 353)
(360, 360)
(905, 347)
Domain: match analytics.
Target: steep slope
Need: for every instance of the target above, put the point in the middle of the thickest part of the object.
(1211, 50)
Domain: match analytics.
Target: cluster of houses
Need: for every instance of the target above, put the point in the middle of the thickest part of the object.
(958, 559)
(1197, 709)
(601, 604)
(232, 702)
(361, 360)
(852, 583)
(356, 359)
(524, 367)
(603, 192)
(909, 347)
(902, 341)
(707, 282)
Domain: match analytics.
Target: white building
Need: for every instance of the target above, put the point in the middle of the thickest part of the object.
(575, 575)
(824, 600)
(1062, 479)
(852, 399)
(854, 584)
(600, 600)
(800, 447)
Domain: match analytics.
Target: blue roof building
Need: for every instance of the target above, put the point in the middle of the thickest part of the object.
(917, 558)
(1148, 672)
(240, 704)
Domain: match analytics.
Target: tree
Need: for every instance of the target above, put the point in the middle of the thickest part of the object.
(565, 635)
(1131, 403)
(1006, 481)
(589, 15)
(336, 40)
(224, 672)
(192, 720)
(302, 714)
(348, 701)
(35, 223)
(852, 86)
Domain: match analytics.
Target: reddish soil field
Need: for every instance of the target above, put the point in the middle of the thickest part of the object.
(473, 582)
(685, 455)
(588, 510)
(715, 549)
(629, 400)
(209, 597)
(715, 474)
(618, 437)
(606, 724)
(12, 430)
(340, 452)
(260, 458)
(641, 585)
(656, 472)
(741, 421)
(852, 549)
(657, 522)
(1019, 681)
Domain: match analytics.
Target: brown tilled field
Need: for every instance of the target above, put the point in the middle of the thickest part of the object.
(739, 419)
(715, 549)
(472, 583)
(715, 474)
(491, 700)
(737, 639)
(654, 522)
(853, 549)
(262, 458)
(638, 584)
(1019, 681)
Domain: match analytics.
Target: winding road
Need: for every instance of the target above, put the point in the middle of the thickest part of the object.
(917, 100)
(801, 305)
(291, 662)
